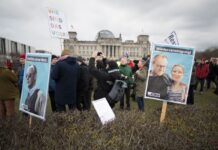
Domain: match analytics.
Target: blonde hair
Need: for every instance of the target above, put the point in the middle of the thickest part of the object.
(178, 65)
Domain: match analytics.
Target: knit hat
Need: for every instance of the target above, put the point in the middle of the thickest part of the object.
(65, 52)
(53, 56)
(22, 56)
(79, 58)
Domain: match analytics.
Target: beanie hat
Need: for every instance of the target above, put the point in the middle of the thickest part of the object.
(79, 58)
(53, 56)
(65, 52)
(22, 56)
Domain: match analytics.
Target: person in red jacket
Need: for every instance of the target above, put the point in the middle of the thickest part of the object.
(202, 71)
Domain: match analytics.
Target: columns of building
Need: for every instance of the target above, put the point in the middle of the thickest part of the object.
(112, 49)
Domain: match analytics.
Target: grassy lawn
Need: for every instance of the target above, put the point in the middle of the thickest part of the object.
(185, 127)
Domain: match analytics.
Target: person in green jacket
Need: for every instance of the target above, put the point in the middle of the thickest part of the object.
(8, 91)
(126, 72)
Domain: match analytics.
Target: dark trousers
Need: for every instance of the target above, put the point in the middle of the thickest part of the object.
(201, 84)
(62, 108)
(140, 101)
(190, 99)
(84, 101)
(216, 90)
(52, 98)
(209, 81)
(127, 94)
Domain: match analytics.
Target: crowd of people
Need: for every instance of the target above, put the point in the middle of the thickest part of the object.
(74, 82)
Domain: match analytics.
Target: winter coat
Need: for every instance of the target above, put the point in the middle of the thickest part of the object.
(8, 84)
(20, 78)
(126, 71)
(202, 71)
(140, 80)
(212, 71)
(51, 81)
(85, 79)
(66, 75)
(105, 79)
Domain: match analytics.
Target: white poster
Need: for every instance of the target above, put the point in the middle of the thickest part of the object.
(57, 24)
(103, 110)
(172, 39)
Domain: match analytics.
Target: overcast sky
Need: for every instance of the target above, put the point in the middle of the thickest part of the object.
(195, 21)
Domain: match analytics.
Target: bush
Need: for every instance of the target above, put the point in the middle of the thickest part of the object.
(184, 128)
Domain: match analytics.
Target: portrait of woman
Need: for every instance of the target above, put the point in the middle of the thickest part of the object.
(178, 90)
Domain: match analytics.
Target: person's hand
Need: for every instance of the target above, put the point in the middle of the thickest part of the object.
(94, 54)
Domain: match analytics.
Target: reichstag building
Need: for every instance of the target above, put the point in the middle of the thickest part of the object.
(112, 47)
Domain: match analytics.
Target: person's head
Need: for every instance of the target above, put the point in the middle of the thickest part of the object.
(141, 63)
(203, 60)
(123, 61)
(54, 59)
(65, 52)
(80, 60)
(159, 65)
(111, 65)
(8, 64)
(177, 73)
(31, 76)
(22, 59)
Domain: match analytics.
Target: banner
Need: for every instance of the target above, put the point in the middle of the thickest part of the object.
(170, 73)
(104, 111)
(57, 24)
(35, 84)
(172, 39)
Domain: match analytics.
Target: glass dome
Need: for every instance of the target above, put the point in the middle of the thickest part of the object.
(105, 34)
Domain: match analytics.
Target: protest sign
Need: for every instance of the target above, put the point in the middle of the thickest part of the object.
(169, 73)
(57, 24)
(103, 110)
(35, 84)
(172, 39)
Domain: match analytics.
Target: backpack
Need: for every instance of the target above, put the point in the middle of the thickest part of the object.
(116, 92)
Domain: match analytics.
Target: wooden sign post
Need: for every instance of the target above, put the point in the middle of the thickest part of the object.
(163, 112)
(30, 121)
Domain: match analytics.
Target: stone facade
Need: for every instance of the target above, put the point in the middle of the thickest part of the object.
(109, 45)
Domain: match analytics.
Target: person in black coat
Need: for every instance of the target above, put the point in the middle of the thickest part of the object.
(66, 75)
(105, 78)
(212, 73)
(84, 86)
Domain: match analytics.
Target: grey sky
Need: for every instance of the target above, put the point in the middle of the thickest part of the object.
(195, 21)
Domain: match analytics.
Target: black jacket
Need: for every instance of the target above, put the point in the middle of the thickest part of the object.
(157, 86)
(105, 79)
(66, 73)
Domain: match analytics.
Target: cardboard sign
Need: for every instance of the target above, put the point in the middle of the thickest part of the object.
(57, 24)
(35, 84)
(172, 39)
(104, 111)
(170, 73)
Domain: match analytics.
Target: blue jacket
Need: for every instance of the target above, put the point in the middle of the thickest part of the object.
(20, 78)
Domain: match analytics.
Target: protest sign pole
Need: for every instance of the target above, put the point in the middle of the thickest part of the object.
(61, 44)
(163, 112)
(30, 121)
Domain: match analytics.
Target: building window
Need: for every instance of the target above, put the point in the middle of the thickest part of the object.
(2, 46)
(14, 47)
(23, 48)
